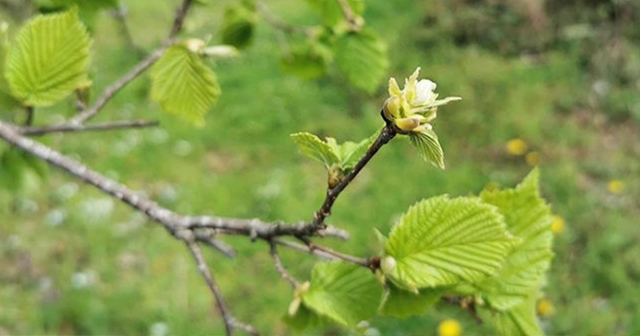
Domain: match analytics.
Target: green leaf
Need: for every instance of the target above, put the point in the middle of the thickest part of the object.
(304, 318)
(311, 146)
(520, 320)
(352, 152)
(428, 146)
(442, 241)
(402, 304)
(527, 216)
(21, 172)
(345, 293)
(331, 12)
(238, 25)
(361, 57)
(183, 84)
(48, 59)
(305, 60)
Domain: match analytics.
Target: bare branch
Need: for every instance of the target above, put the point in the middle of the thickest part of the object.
(278, 24)
(326, 253)
(66, 128)
(213, 286)
(178, 21)
(349, 15)
(172, 221)
(207, 236)
(385, 136)
(114, 88)
(280, 267)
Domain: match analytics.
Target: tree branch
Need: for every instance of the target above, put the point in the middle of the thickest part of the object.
(114, 88)
(67, 128)
(384, 137)
(280, 267)
(278, 24)
(213, 286)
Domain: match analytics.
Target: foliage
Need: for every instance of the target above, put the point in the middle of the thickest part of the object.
(540, 99)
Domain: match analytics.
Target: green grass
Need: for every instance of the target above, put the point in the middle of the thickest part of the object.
(243, 164)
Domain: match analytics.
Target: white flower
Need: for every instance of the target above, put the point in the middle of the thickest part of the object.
(414, 107)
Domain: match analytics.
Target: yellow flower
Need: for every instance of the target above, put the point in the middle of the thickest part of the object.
(615, 187)
(517, 147)
(449, 327)
(545, 308)
(414, 107)
(532, 159)
(557, 224)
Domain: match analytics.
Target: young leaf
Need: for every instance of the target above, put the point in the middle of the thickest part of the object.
(361, 57)
(352, 152)
(343, 292)
(304, 318)
(48, 59)
(520, 320)
(428, 146)
(183, 84)
(238, 25)
(311, 146)
(442, 241)
(331, 12)
(402, 304)
(528, 217)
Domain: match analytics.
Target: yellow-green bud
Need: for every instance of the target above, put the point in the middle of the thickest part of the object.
(388, 264)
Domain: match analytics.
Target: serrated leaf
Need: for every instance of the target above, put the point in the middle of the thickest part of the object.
(352, 152)
(528, 217)
(331, 12)
(402, 304)
(362, 58)
(428, 146)
(48, 59)
(520, 320)
(311, 146)
(442, 241)
(345, 293)
(238, 25)
(183, 84)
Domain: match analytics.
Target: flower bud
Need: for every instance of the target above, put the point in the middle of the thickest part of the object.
(388, 264)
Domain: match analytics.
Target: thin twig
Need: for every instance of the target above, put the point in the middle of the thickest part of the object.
(280, 267)
(349, 15)
(207, 236)
(65, 128)
(213, 286)
(278, 24)
(120, 15)
(114, 88)
(384, 137)
(178, 21)
(325, 252)
(29, 112)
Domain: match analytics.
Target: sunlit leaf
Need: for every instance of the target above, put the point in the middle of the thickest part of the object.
(428, 146)
(311, 146)
(442, 241)
(528, 217)
(183, 84)
(362, 58)
(402, 304)
(48, 59)
(343, 292)
(520, 320)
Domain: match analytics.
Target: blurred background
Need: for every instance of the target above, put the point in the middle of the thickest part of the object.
(554, 84)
